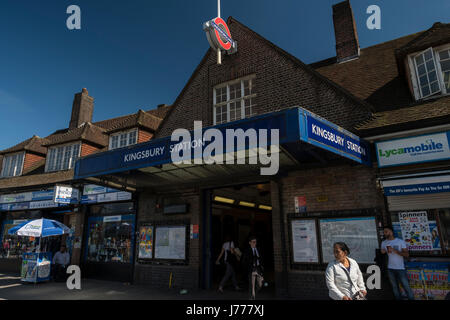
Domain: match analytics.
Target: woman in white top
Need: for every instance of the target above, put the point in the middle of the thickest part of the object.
(343, 277)
(227, 249)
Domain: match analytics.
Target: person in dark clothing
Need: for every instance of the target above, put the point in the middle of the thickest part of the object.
(229, 259)
(253, 264)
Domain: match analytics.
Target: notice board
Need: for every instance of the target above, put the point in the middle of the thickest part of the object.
(360, 235)
(170, 242)
(304, 241)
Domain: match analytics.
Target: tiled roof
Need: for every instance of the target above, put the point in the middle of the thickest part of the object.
(34, 144)
(141, 118)
(373, 77)
(87, 132)
(437, 108)
(438, 34)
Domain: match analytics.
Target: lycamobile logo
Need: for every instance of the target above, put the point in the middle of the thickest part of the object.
(428, 146)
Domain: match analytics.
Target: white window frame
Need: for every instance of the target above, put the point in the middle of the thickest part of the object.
(240, 99)
(53, 167)
(17, 169)
(119, 134)
(414, 73)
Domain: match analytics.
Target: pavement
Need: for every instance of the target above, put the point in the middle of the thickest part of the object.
(12, 288)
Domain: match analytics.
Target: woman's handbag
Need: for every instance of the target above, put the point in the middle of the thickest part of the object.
(358, 295)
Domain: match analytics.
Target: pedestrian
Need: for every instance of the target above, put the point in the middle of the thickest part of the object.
(397, 250)
(230, 263)
(60, 262)
(252, 261)
(343, 276)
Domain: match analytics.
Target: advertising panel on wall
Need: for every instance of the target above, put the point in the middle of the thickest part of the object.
(428, 280)
(146, 242)
(304, 241)
(416, 230)
(360, 235)
(98, 194)
(418, 149)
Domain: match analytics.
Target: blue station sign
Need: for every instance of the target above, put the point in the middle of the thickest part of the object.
(294, 125)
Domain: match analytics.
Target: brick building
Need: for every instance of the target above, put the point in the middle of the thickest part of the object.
(32, 169)
(183, 212)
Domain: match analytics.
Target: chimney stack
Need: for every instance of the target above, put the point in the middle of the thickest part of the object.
(347, 44)
(82, 109)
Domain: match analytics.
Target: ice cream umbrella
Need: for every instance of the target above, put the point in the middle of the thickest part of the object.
(39, 228)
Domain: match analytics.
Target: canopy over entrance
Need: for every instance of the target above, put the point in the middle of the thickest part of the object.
(262, 145)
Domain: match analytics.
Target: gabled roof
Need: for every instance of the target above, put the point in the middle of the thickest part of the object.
(373, 77)
(34, 144)
(86, 132)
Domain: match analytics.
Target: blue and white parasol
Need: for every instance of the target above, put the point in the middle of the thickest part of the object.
(39, 228)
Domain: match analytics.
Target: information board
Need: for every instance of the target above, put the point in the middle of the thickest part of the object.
(304, 241)
(170, 242)
(360, 235)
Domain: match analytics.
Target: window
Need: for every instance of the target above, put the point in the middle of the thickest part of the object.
(123, 139)
(431, 74)
(13, 165)
(62, 158)
(110, 239)
(234, 100)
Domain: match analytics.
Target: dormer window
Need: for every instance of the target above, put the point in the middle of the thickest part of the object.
(122, 139)
(62, 157)
(431, 72)
(12, 165)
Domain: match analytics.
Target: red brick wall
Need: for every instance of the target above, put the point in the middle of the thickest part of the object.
(280, 83)
(31, 159)
(87, 149)
(144, 136)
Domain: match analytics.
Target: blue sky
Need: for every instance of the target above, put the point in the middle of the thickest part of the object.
(140, 53)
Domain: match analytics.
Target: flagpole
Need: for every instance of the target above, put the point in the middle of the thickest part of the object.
(219, 52)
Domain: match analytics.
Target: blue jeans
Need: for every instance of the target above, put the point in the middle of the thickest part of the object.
(396, 277)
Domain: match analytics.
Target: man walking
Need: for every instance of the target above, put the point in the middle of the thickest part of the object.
(396, 250)
(253, 263)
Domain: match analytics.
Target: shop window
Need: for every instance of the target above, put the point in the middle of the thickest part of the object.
(123, 139)
(12, 165)
(431, 72)
(62, 157)
(110, 239)
(234, 100)
(425, 235)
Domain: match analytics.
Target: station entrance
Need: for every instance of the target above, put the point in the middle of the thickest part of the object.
(237, 213)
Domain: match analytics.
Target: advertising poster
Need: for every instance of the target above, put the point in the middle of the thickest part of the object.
(415, 230)
(360, 235)
(435, 239)
(146, 242)
(428, 281)
(170, 243)
(304, 241)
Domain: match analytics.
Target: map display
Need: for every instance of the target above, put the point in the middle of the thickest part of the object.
(360, 235)
(304, 241)
(170, 243)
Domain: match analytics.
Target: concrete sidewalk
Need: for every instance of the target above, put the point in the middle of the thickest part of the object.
(11, 288)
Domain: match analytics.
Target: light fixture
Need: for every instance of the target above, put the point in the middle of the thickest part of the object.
(263, 207)
(247, 204)
(224, 200)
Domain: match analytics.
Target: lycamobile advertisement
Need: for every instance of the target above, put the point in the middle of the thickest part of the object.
(424, 148)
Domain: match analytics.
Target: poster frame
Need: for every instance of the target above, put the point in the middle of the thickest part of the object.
(139, 259)
(184, 261)
(291, 242)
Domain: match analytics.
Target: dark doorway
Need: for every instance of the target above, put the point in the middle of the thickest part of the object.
(239, 212)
